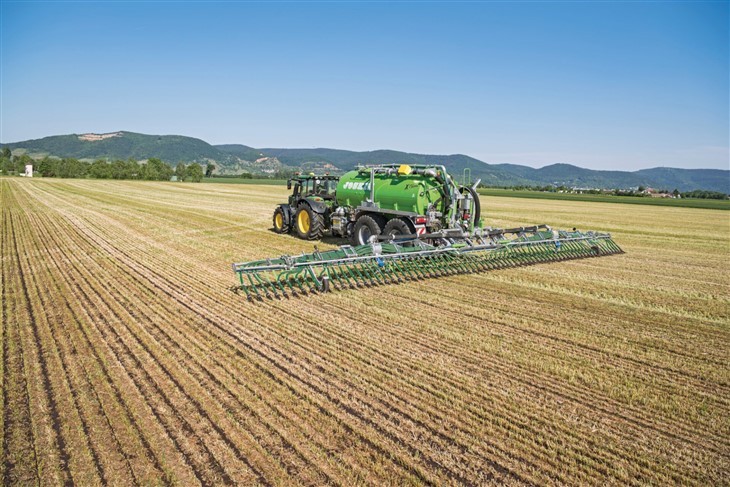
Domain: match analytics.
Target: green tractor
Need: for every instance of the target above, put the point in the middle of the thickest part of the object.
(306, 212)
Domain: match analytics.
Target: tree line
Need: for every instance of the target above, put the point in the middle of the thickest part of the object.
(153, 170)
(640, 191)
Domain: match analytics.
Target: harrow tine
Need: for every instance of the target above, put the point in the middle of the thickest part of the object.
(345, 272)
(401, 271)
(253, 286)
(363, 280)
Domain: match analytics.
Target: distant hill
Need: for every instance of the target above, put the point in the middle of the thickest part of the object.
(123, 145)
(238, 158)
(513, 174)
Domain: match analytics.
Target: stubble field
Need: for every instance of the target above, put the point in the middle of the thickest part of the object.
(126, 359)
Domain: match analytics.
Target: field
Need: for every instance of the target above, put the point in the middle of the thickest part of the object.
(126, 359)
(270, 182)
(602, 198)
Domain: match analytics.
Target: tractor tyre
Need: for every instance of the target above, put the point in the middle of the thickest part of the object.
(308, 223)
(365, 227)
(398, 227)
(280, 225)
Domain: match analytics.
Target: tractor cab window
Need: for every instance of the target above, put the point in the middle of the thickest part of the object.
(331, 186)
(325, 187)
(297, 188)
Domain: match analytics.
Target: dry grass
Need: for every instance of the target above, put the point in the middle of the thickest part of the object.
(127, 361)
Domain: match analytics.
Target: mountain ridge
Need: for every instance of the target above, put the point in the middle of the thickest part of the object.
(238, 158)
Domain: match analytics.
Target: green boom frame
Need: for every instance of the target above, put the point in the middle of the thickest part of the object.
(410, 258)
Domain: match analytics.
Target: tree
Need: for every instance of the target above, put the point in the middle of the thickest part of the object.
(209, 169)
(132, 170)
(181, 172)
(48, 167)
(195, 172)
(72, 168)
(100, 169)
(156, 170)
(6, 161)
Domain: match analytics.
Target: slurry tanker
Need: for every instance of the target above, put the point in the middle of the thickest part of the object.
(404, 223)
(388, 200)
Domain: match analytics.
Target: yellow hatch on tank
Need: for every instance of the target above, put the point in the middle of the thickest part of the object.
(404, 170)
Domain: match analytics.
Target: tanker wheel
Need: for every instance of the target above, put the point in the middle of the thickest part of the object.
(365, 227)
(279, 221)
(308, 224)
(397, 227)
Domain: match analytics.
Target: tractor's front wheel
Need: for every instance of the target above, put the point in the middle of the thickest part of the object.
(280, 225)
(308, 223)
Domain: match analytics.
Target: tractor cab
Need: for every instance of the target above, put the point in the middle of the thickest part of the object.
(309, 205)
(312, 186)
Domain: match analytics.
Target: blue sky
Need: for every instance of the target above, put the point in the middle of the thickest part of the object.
(603, 85)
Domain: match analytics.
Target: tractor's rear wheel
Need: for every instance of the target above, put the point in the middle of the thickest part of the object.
(365, 227)
(280, 225)
(397, 227)
(308, 223)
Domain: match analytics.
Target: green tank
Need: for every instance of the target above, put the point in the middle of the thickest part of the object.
(405, 191)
